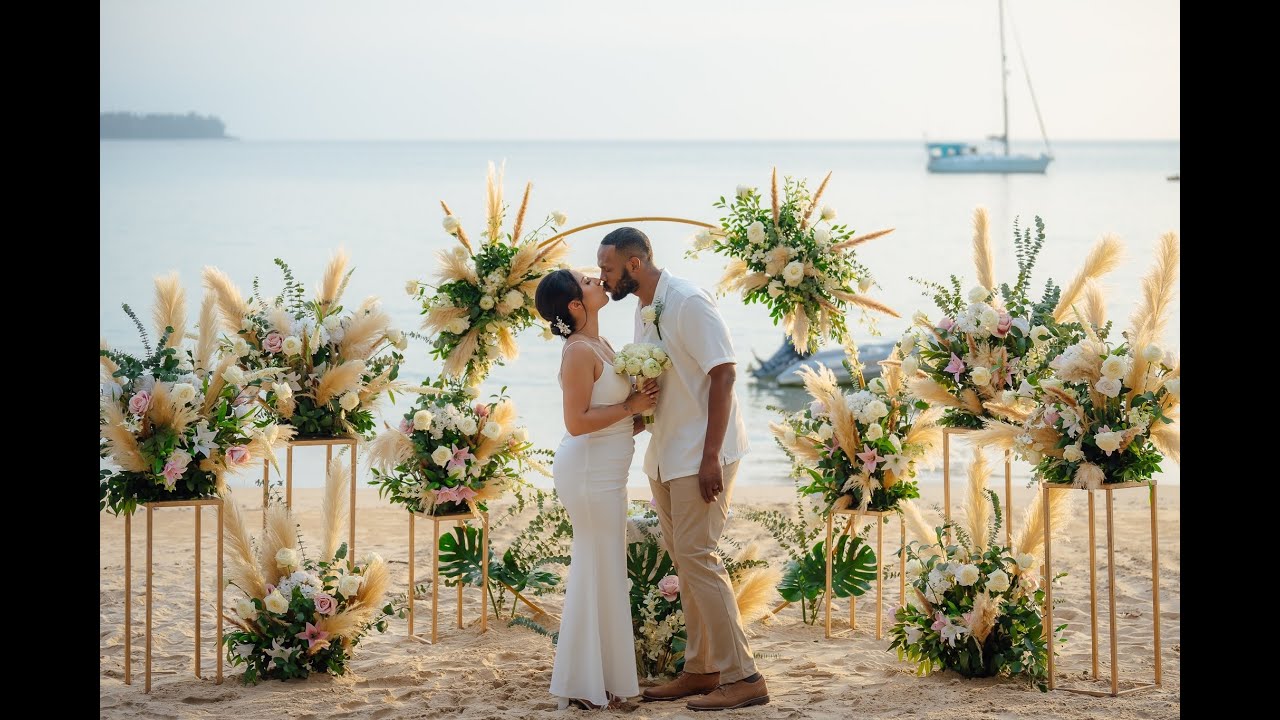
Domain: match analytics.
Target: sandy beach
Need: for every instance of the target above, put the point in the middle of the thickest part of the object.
(504, 673)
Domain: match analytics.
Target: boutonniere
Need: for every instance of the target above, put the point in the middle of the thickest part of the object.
(653, 314)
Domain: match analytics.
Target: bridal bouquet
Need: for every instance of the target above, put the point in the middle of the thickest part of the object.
(485, 294)
(1109, 412)
(300, 615)
(861, 448)
(330, 368)
(992, 344)
(977, 606)
(451, 453)
(794, 258)
(170, 421)
(641, 360)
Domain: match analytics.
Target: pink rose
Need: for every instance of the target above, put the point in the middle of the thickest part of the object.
(173, 470)
(669, 586)
(1050, 416)
(1003, 325)
(482, 410)
(237, 455)
(325, 605)
(406, 427)
(946, 323)
(273, 342)
(139, 403)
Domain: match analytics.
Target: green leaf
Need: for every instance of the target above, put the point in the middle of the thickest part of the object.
(853, 568)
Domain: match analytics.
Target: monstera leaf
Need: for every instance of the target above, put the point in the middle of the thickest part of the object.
(460, 553)
(853, 567)
(647, 563)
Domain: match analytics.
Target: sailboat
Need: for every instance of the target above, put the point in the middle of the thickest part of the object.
(955, 157)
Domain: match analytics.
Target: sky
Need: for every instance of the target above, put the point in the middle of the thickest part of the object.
(653, 70)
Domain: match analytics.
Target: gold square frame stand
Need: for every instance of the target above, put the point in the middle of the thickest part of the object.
(879, 515)
(436, 520)
(328, 444)
(947, 432)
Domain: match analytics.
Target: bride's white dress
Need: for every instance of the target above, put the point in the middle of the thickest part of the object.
(595, 652)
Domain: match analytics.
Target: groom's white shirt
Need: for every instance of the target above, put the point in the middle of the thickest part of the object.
(697, 339)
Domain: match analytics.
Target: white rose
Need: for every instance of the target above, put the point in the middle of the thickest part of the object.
(877, 386)
(825, 432)
(1039, 334)
(486, 302)
(287, 559)
(755, 233)
(1026, 562)
(648, 313)
(450, 224)
(822, 235)
(910, 366)
(998, 581)
(395, 335)
(633, 366)
(828, 213)
(349, 584)
(875, 432)
(1152, 353)
(559, 218)
(967, 575)
(1108, 386)
(521, 434)
(913, 569)
(659, 354)
(703, 240)
(240, 347)
(184, 392)
(793, 273)
(1174, 387)
(513, 299)
(865, 283)
(412, 287)
(467, 426)
(744, 190)
(491, 430)
(276, 603)
(441, 455)
(775, 288)
(620, 365)
(292, 345)
(1108, 442)
(1008, 397)
(283, 391)
(980, 376)
(651, 368)
(1115, 366)
(350, 401)
(246, 609)
(422, 420)
(233, 375)
(1072, 453)
(979, 294)
(457, 326)
(875, 410)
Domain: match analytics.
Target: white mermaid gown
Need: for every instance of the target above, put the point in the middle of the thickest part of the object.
(596, 652)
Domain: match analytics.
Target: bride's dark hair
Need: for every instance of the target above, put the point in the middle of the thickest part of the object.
(555, 291)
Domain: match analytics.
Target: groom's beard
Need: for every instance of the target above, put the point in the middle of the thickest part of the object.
(624, 287)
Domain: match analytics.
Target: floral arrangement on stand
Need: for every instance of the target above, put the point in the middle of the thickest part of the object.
(450, 453)
(1108, 413)
(331, 369)
(792, 257)
(641, 361)
(173, 421)
(485, 295)
(978, 605)
(992, 344)
(860, 449)
(300, 615)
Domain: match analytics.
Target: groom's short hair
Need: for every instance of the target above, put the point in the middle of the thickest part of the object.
(630, 242)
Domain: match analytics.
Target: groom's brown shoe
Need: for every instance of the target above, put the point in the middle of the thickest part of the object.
(683, 686)
(743, 693)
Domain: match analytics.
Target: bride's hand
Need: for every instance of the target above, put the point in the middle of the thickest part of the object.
(640, 402)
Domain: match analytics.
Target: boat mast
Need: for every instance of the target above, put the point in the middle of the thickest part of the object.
(1004, 81)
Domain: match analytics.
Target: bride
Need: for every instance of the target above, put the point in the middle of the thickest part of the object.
(595, 662)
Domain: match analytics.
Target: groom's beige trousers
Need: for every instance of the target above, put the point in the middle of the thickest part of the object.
(691, 528)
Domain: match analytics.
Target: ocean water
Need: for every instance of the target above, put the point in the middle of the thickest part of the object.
(181, 205)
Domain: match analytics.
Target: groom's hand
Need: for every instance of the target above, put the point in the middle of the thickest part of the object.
(710, 479)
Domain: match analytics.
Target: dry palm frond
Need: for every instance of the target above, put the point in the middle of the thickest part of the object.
(376, 581)
(860, 239)
(1148, 322)
(1088, 476)
(524, 205)
(493, 489)
(773, 191)
(279, 533)
(242, 568)
(1167, 437)
(333, 510)
(754, 281)
(1029, 539)
(344, 625)
(924, 532)
(977, 507)
(121, 445)
(377, 385)
(507, 343)
(891, 371)
(931, 392)
(389, 450)
(207, 341)
(216, 384)
(170, 309)
(1059, 395)
(269, 439)
(339, 380)
(996, 433)
(107, 366)
(551, 255)
(733, 274)
(439, 317)
(755, 591)
(985, 611)
(926, 434)
(230, 302)
(1102, 259)
(504, 414)
(971, 401)
(798, 327)
(983, 260)
(822, 386)
(280, 319)
(813, 204)
(1016, 414)
(865, 302)
(493, 201)
(521, 263)
(1096, 302)
(824, 320)
(162, 410)
(801, 450)
(455, 266)
(334, 279)
(462, 234)
(365, 332)
(457, 361)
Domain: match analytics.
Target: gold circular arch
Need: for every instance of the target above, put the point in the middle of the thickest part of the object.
(615, 221)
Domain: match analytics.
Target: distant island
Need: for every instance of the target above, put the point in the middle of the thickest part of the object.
(132, 126)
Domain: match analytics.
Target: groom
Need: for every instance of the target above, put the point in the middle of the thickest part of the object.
(697, 441)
